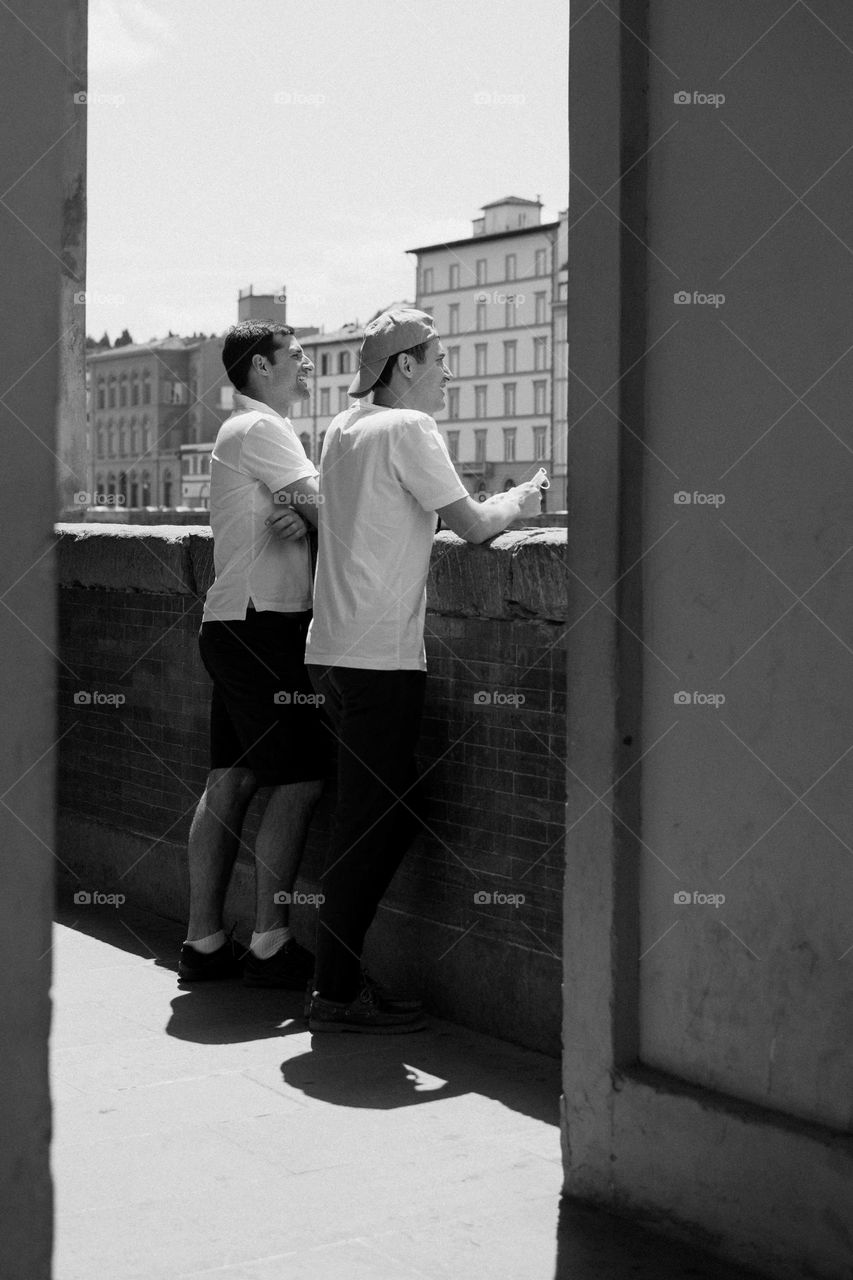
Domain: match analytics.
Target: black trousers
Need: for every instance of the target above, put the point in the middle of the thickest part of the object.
(376, 717)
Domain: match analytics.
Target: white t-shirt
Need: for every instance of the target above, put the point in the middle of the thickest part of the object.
(256, 452)
(383, 474)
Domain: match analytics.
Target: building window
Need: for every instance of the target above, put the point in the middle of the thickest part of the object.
(539, 443)
(509, 267)
(102, 394)
(146, 388)
(146, 435)
(453, 360)
(426, 280)
(134, 492)
(111, 443)
(453, 276)
(481, 271)
(343, 362)
(167, 488)
(122, 392)
(539, 268)
(305, 441)
(324, 400)
(510, 349)
(481, 317)
(343, 399)
(324, 363)
(453, 445)
(480, 359)
(146, 489)
(540, 315)
(134, 389)
(111, 485)
(480, 446)
(99, 453)
(509, 444)
(453, 402)
(509, 312)
(509, 405)
(480, 402)
(540, 391)
(111, 399)
(454, 317)
(540, 353)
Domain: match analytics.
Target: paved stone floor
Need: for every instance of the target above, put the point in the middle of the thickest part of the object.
(206, 1133)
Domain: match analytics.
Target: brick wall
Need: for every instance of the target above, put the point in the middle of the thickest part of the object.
(473, 916)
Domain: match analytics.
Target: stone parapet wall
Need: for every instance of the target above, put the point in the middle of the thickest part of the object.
(473, 916)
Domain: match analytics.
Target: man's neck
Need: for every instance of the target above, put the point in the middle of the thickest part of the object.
(385, 398)
(282, 408)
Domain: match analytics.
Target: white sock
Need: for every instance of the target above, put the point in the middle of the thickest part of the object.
(264, 945)
(211, 943)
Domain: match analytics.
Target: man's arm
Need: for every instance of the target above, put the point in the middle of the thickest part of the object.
(300, 498)
(479, 521)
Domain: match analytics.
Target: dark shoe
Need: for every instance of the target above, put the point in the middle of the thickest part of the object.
(394, 1000)
(200, 966)
(290, 967)
(366, 1014)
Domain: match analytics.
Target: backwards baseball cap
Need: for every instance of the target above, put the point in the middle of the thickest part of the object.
(389, 334)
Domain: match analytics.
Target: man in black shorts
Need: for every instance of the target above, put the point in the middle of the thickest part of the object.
(267, 731)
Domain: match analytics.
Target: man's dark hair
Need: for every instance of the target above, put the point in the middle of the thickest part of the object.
(418, 353)
(246, 340)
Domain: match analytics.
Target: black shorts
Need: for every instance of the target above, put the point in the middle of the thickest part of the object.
(264, 714)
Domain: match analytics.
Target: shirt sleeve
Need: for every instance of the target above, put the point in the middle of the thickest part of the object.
(273, 454)
(421, 463)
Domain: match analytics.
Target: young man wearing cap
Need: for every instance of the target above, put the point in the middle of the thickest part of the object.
(266, 731)
(384, 474)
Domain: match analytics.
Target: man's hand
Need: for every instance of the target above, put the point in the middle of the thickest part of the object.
(287, 525)
(530, 496)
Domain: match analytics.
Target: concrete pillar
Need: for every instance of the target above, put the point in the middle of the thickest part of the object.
(42, 53)
(709, 894)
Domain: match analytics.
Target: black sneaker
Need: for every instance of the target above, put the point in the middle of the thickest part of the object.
(290, 967)
(394, 1000)
(200, 966)
(366, 1014)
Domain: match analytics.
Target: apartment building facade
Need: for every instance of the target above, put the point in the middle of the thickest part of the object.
(493, 298)
(146, 402)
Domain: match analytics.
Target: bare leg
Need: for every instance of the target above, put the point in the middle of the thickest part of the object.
(279, 847)
(213, 845)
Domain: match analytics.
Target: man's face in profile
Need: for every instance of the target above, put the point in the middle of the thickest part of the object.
(431, 377)
(289, 369)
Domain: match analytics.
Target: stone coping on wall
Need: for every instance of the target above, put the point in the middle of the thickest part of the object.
(516, 575)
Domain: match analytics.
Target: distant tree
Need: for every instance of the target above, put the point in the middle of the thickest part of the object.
(123, 340)
(102, 343)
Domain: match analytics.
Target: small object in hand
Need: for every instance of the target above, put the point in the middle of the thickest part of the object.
(541, 479)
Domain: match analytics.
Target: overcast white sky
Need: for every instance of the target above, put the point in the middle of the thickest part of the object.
(201, 183)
